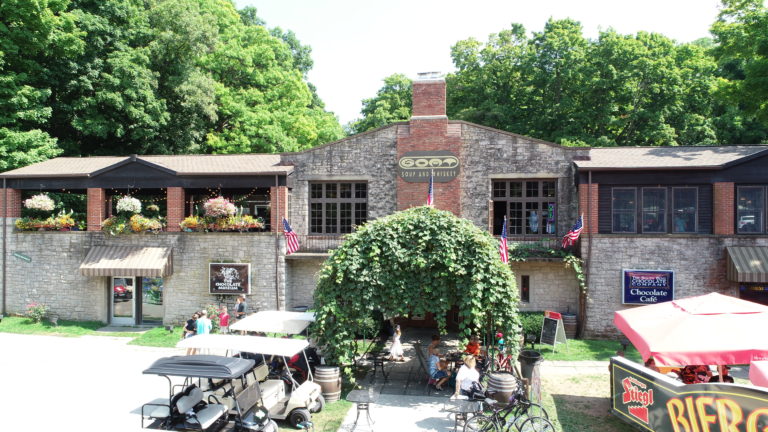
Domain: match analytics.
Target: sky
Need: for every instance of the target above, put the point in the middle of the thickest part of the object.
(357, 43)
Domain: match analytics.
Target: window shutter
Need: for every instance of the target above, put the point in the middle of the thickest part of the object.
(490, 216)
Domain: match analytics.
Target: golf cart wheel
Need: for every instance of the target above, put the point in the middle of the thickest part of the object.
(318, 405)
(299, 415)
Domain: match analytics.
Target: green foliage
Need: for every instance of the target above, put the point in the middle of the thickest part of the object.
(532, 323)
(392, 103)
(213, 315)
(524, 251)
(36, 311)
(415, 261)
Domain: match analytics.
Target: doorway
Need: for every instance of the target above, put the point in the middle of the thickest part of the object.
(123, 300)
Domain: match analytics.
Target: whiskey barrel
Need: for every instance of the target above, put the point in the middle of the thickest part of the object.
(330, 382)
(501, 386)
(569, 323)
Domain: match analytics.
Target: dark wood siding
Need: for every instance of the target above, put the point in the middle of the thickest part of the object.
(705, 209)
(604, 210)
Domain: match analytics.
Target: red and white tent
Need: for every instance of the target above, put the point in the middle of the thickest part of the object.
(708, 329)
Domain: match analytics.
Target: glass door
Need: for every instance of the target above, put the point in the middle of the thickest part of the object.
(123, 307)
(151, 300)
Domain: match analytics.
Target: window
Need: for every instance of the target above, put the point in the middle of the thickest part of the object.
(336, 208)
(684, 204)
(750, 209)
(529, 205)
(525, 289)
(624, 210)
(654, 210)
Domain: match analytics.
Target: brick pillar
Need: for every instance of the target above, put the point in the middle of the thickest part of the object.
(588, 207)
(174, 199)
(724, 201)
(96, 208)
(13, 198)
(276, 213)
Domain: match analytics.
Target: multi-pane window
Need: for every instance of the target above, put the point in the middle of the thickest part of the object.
(750, 209)
(684, 204)
(624, 210)
(336, 208)
(654, 210)
(529, 205)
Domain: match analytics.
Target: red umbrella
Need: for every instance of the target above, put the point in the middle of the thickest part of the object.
(707, 329)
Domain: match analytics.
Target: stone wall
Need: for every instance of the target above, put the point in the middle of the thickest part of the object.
(369, 157)
(53, 277)
(302, 280)
(492, 154)
(699, 263)
(553, 286)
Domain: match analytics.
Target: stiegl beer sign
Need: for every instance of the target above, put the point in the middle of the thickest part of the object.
(654, 402)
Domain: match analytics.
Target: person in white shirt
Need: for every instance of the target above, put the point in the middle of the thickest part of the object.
(466, 376)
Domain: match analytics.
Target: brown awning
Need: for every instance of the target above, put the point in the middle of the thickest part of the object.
(747, 264)
(128, 261)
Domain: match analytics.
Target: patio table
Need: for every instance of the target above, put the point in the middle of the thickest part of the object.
(363, 399)
(461, 408)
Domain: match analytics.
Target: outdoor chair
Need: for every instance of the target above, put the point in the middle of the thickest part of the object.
(431, 382)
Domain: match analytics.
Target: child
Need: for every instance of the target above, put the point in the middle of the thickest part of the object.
(396, 351)
(473, 347)
(224, 320)
(438, 369)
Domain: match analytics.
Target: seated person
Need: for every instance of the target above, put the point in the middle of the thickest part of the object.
(438, 369)
(468, 378)
(433, 345)
(694, 374)
(473, 347)
(722, 375)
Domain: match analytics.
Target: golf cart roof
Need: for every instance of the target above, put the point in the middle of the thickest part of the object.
(201, 366)
(275, 322)
(251, 344)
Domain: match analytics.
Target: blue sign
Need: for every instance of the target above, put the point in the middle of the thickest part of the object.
(648, 286)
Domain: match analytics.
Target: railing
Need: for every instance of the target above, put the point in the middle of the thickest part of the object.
(318, 243)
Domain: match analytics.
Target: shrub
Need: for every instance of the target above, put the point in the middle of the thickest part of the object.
(532, 322)
(36, 311)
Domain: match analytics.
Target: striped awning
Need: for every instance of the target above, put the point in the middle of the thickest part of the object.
(128, 261)
(748, 264)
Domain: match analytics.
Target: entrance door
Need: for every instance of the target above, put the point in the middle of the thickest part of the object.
(123, 300)
(151, 300)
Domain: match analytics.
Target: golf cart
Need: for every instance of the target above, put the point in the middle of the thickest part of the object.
(195, 404)
(294, 404)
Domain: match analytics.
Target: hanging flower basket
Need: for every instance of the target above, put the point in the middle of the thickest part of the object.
(219, 207)
(41, 202)
(128, 204)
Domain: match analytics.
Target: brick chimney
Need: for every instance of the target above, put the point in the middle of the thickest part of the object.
(429, 95)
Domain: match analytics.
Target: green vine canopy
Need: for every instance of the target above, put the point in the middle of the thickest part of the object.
(412, 262)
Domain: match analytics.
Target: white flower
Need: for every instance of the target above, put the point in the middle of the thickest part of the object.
(219, 207)
(39, 202)
(128, 204)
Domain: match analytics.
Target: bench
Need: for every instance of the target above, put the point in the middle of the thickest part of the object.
(203, 418)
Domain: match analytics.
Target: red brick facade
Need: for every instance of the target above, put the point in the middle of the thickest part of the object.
(723, 205)
(588, 207)
(427, 135)
(97, 205)
(429, 98)
(13, 198)
(175, 201)
(277, 213)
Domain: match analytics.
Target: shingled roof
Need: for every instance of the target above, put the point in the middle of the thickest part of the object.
(183, 165)
(629, 158)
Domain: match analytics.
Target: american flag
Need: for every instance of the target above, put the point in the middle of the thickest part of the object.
(503, 245)
(573, 235)
(291, 239)
(430, 193)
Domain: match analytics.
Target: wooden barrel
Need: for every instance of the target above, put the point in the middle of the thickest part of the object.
(330, 382)
(501, 386)
(569, 322)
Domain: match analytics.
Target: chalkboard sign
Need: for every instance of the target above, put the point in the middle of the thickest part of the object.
(552, 330)
(549, 331)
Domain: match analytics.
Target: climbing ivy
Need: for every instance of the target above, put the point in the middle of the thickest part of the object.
(414, 261)
(524, 251)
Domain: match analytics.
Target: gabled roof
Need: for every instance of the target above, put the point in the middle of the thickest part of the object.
(635, 158)
(182, 165)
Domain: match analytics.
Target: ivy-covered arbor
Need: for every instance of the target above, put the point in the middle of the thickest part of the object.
(414, 261)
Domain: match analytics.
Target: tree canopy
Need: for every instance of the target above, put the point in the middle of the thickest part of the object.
(412, 262)
(98, 77)
(615, 90)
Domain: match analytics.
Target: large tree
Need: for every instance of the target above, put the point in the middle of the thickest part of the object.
(392, 103)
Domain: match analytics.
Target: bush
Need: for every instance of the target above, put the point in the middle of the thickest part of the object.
(36, 311)
(532, 322)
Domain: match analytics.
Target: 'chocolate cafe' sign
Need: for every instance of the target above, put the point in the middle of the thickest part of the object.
(415, 167)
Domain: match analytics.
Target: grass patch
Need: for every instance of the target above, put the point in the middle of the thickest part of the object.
(329, 419)
(23, 325)
(158, 337)
(586, 349)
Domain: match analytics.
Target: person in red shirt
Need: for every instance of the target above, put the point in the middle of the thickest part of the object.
(224, 320)
(473, 347)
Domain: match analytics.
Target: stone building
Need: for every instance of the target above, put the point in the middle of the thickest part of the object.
(480, 174)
